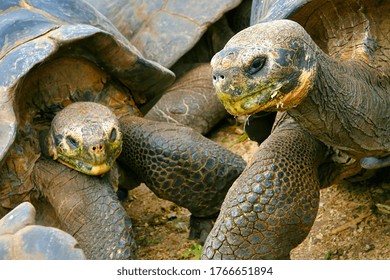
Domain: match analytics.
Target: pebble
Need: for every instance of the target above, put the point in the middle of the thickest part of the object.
(369, 247)
(320, 236)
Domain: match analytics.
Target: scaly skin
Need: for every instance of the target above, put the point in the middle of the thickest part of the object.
(271, 207)
(88, 209)
(179, 164)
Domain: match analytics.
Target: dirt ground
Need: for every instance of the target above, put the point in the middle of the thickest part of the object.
(353, 221)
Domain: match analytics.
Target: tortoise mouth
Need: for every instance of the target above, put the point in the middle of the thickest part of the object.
(86, 168)
(263, 99)
(89, 163)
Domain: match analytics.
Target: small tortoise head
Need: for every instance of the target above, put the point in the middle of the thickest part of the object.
(86, 137)
(266, 67)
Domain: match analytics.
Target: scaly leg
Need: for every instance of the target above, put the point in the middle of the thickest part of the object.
(179, 164)
(271, 207)
(88, 209)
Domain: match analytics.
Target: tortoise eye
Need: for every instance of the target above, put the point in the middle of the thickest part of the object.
(73, 143)
(113, 135)
(57, 139)
(256, 65)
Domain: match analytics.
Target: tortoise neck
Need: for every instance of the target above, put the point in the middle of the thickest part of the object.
(45, 143)
(347, 107)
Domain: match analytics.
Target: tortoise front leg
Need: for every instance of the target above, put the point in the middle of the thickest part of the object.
(179, 164)
(88, 209)
(271, 207)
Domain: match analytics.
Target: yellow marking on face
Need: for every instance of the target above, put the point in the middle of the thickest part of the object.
(100, 169)
(294, 97)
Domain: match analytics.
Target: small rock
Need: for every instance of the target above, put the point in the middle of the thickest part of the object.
(369, 247)
(182, 226)
(320, 236)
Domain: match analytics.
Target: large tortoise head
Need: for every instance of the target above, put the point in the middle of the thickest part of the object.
(275, 72)
(343, 30)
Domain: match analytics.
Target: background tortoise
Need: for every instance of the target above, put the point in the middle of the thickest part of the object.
(66, 55)
(182, 36)
(20, 238)
(330, 80)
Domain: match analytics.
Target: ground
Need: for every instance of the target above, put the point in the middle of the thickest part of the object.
(353, 221)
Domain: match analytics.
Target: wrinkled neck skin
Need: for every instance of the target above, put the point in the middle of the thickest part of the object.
(348, 107)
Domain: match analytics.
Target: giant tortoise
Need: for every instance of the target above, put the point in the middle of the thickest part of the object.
(71, 85)
(324, 66)
(182, 36)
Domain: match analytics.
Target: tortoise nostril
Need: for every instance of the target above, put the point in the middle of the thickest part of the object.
(99, 148)
(218, 76)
